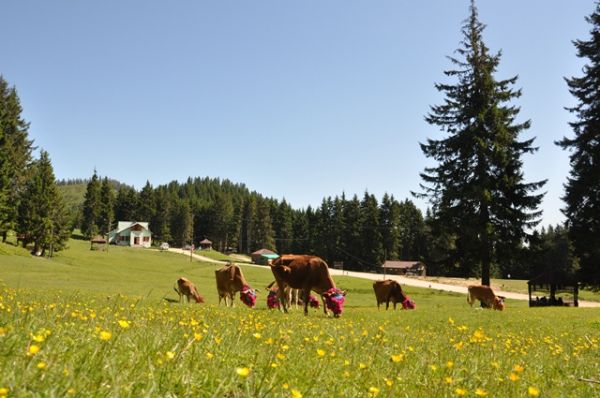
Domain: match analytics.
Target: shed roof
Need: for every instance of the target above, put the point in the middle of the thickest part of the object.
(402, 264)
(262, 251)
(123, 225)
(98, 239)
(205, 242)
(553, 278)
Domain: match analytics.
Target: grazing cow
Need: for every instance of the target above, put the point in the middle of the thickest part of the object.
(308, 273)
(184, 287)
(486, 296)
(230, 280)
(388, 290)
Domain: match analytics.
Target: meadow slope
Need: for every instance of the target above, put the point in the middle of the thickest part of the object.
(90, 324)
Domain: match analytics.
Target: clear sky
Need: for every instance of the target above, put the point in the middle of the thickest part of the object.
(296, 99)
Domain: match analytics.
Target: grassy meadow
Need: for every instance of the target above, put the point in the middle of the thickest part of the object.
(92, 323)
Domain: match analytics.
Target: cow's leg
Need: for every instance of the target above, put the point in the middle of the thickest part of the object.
(387, 304)
(306, 295)
(281, 296)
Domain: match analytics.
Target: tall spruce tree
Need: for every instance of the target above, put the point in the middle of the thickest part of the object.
(91, 208)
(126, 204)
(15, 156)
(372, 250)
(106, 216)
(42, 219)
(477, 191)
(582, 190)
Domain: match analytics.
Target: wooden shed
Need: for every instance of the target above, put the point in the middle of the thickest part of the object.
(263, 256)
(416, 268)
(205, 244)
(98, 242)
(555, 288)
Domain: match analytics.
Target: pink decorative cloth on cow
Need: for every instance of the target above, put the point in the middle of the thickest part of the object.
(248, 296)
(312, 300)
(334, 300)
(272, 300)
(408, 304)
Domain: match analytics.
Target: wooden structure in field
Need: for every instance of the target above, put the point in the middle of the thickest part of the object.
(556, 288)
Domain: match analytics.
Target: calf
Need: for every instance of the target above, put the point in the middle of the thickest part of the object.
(486, 296)
(184, 287)
(230, 280)
(308, 273)
(388, 290)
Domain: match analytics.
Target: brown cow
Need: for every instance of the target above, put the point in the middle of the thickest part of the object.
(307, 273)
(388, 290)
(184, 287)
(230, 280)
(486, 296)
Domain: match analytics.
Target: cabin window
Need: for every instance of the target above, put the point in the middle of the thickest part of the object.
(146, 239)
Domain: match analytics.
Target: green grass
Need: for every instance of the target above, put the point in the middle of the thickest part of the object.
(102, 328)
(214, 255)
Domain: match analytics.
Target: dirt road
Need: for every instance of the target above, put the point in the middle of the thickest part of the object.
(401, 279)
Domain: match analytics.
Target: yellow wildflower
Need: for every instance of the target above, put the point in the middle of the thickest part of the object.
(296, 394)
(448, 380)
(513, 377)
(460, 391)
(397, 358)
(321, 352)
(105, 335)
(257, 335)
(210, 355)
(41, 365)
(33, 349)
(244, 372)
(124, 324)
(170, 355)
(480, 392)
(4, 391)
(374, 390)
(518, 368)
(534, 392)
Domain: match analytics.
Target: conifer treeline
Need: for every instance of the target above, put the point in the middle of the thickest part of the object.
(30, 203)
(359, 232)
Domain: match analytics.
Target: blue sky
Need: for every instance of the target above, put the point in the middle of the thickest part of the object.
(298, 100)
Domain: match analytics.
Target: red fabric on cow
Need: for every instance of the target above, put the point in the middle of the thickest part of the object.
(313, 302)
(408, 304)
(272, 299)
(248, 296)
(334, 299)
(308, 273)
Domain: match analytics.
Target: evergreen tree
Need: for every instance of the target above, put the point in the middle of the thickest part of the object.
(160, 224)
(582, 190)
(352, 240)
(389, 222)
(126, 204)
(15, 156)
(372, 251)
(146, 204)
(262, 228)
(300, 244)
(411, 232)
(182, 224)
(106, 217)
(477, 190)
(283, 228)
(91, 208)
(42, 217)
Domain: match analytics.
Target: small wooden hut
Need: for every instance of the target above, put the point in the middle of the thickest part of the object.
(205, 244)
(555, 289)
(98, 242)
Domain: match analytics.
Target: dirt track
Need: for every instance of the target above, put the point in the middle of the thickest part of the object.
(401, 279)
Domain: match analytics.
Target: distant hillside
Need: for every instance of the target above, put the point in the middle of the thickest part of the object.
(73, 192)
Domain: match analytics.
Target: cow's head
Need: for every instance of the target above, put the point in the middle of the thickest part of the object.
(334, 300)
(248, 296)
(498, 303)
(199, 299)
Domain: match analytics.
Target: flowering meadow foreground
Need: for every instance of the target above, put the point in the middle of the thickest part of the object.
(74, 344)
